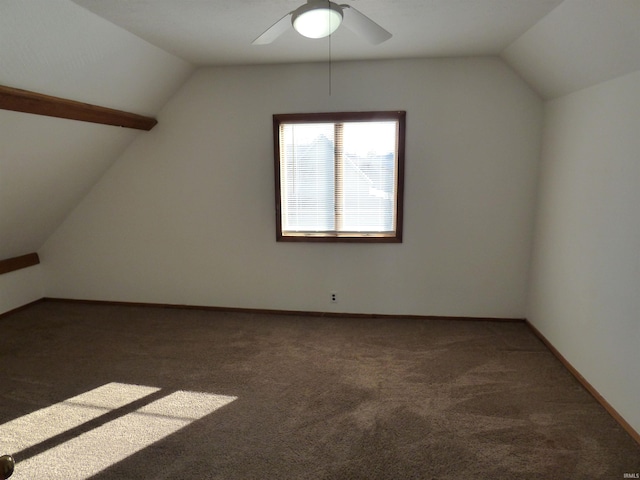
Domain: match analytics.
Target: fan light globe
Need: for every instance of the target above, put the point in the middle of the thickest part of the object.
(317, 20)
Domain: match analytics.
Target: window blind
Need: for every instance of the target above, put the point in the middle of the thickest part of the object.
(339, 178)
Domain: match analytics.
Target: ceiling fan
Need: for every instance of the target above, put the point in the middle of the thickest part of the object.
(320, 18)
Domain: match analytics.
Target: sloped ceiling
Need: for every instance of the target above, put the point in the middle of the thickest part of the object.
(132, 55)
(219, 32)
(579, 44)
(557, 46)
(47, 164)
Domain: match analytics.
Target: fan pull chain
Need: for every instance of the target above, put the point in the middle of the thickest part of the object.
(330, 64)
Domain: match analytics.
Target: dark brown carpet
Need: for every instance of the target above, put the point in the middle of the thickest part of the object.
(317, 398)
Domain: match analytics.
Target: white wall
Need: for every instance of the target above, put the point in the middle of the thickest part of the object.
(186, 215)
(585, 284)
(20, 287)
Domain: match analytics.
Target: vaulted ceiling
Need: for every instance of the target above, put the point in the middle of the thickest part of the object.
(133, 55)
(213, 32)
(48, 164)
(558, 46)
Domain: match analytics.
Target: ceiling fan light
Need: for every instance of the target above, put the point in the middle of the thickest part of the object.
(317, 20)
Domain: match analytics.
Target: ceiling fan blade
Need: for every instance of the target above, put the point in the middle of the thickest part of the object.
(359, 23)
(274, 31)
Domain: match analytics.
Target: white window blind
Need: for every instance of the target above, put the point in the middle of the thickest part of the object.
(307, 176)
(339, 179)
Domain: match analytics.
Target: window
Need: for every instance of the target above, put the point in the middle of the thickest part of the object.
(339, 176)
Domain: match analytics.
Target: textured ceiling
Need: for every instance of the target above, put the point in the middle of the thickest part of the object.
(581, 43)
(220, 32)
(134, 54)
(558, 46)
(56, 48)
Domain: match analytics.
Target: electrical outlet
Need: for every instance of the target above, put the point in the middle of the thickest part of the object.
(334, 297)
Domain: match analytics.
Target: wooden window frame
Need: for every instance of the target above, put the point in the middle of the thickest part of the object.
(339, 117)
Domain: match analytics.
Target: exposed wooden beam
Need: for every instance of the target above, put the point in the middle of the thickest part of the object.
(31, 102)
(17, 263)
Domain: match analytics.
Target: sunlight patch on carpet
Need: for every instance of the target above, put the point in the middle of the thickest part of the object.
(36, 427)
(89, 453)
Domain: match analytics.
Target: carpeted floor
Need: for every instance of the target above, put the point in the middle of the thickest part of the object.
(149, 393)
